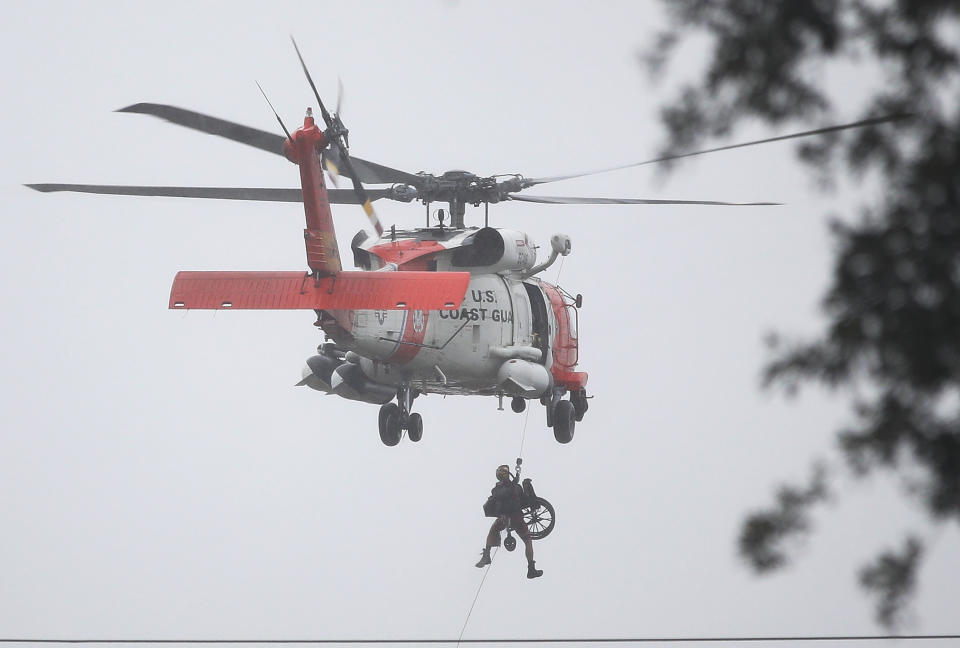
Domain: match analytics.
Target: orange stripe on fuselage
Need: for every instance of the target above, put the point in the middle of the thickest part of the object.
(408, 254)
(414, 329)
(564, 346)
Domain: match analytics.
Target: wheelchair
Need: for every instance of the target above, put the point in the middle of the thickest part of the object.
(538, 515)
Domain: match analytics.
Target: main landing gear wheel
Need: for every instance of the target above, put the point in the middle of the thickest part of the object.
(539, 519)
(415, 427)
(391, 428)
(564, 420)
(396, 417)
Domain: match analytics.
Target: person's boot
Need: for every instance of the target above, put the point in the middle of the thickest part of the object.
(532, 571)
(484, 559)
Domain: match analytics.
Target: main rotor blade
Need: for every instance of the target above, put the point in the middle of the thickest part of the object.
(268, 194)
(369, 172)
(560, 200)
(254, 137)
(819, 131)
(373, 173)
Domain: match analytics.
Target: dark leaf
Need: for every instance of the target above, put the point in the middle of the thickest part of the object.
(765, 533)
(891, 578)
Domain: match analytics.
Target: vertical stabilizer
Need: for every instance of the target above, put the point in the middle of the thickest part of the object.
(304, 149)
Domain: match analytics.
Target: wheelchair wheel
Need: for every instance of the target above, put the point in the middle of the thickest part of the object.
(539, 519)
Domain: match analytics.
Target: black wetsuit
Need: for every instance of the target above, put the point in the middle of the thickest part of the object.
(508, 496)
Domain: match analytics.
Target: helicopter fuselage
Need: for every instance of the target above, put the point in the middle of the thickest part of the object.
(513, 334)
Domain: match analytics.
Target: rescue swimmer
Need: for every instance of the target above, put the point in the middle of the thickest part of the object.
(505, 503)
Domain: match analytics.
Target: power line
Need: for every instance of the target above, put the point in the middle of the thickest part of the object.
(568, 640)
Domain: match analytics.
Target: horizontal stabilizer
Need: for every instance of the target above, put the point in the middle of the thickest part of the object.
(298, 290)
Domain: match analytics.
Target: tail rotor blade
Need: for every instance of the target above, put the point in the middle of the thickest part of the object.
(372, 216)
(338, 133)
(362, 196)
(339, 108)
(323, 110)
(333, 171)
(336, 114)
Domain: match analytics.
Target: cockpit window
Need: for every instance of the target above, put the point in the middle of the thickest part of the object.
(572, 316)
(540, 324)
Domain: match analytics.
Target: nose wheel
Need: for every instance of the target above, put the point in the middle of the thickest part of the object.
(563, 415)
(564, 421)
(396, 417)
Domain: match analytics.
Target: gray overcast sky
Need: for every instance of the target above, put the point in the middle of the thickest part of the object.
(160, 475)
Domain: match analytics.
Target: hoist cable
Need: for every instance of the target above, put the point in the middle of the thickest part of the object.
(523, 436)
(476, 596)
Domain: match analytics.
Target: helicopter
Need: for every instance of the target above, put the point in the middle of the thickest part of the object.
(440, 309)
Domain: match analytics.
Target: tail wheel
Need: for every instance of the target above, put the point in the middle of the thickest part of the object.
(539, 519)
(415, 427)
(390, 427)
(518, 404)
(564, 420)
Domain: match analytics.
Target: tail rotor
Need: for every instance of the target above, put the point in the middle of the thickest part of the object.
(331, 156)
(337, 136)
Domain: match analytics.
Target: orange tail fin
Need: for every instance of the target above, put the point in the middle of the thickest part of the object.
(323, 257)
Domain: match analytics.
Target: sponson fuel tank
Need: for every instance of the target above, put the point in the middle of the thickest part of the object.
(349, 381)
(523, 378)
(344, 378)
(318, 371)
